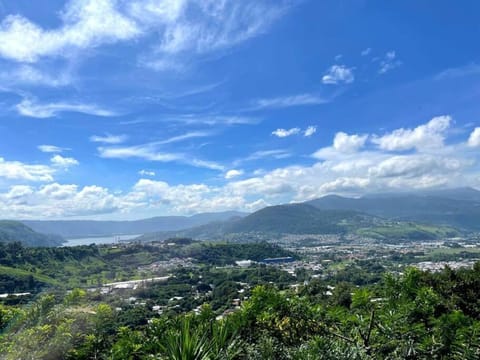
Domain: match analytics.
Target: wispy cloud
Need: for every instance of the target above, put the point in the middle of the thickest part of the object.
(51, 148)
(290, 101)
(338, 74)
(182, 137)
(264, 154)
(29, 75)
(471, 69)
(213, 119)
(309, 131)
(281, 133)
(150, 152)
(366, 51)
(181, 27)
(146, 172)
(109, 138)
(31, 108)
(389, 62)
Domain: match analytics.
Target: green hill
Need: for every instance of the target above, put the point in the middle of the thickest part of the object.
(307, 219)
(300, 219)
(12, 231)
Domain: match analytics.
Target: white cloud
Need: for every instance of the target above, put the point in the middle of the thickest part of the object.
(151, 153)
(290, 101)
(31, 108)
(281, 133)
(474, 139)
(389, 62)
(216, 24)
(29, 75)
(85, 24)
(348, 143)
(146, 173)
(195, 119)
(109, 138)
(309, 131)
(50, 148)
(429, 135)
(64, 162)
(337, 74)
(262, 154)
(182, 137)
(16, 170)
(180, 28)
(346, 167)
(366, 51)
(230, 174)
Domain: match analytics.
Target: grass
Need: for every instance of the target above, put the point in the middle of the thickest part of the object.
(5, 270)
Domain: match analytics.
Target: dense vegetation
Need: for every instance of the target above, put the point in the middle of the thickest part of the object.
(11, 231)
(31, 269)
(416, 315)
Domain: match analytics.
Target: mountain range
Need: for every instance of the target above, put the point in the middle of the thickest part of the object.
(92, 228)
(459, 208)
(420, 214)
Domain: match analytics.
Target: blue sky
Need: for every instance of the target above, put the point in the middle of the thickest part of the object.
(115, 109)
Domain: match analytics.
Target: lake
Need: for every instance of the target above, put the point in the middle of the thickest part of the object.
(98, 240)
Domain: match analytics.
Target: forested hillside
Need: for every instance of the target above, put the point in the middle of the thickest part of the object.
(11, 231)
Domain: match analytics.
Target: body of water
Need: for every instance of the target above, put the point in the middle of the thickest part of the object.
(99, 240)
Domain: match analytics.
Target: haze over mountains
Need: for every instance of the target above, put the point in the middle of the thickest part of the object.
(452, 207)
(416, 215)
(369, 215)
(87, 228)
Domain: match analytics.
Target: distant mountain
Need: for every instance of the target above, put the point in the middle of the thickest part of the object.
(299, 219)
(274, 221)
(452, 207)
(87, 228)
(11, 231)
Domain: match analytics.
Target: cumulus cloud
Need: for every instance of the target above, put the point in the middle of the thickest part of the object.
(16, 170)
(230, 174)
(85, 23)
(281, 133)
(429, 135)
(348, 143)
(64, 162)
(474, 139)
(348, 166)
(338, 74)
